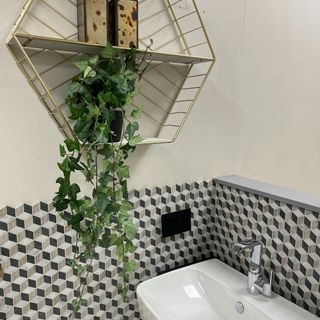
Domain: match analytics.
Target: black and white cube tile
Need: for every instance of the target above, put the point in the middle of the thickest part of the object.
(290, 234)
(35, 243)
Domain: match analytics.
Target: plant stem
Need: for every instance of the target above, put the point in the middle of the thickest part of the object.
(97, 168)
(86, 279)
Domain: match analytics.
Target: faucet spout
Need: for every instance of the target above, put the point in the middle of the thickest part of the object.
(241, 246)
(254, 245)
(238, 249)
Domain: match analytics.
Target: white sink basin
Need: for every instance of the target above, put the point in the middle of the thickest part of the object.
(210, 290)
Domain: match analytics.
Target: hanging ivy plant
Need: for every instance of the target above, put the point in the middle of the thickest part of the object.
(106, 85)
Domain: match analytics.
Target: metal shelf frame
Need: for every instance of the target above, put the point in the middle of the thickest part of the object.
(175, 46)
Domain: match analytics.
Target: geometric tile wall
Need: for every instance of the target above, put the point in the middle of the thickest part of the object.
(290, 234)
(35, 244)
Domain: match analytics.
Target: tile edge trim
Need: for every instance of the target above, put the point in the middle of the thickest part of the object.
(290, 196)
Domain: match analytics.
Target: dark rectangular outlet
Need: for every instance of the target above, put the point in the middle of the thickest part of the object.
(176, 222)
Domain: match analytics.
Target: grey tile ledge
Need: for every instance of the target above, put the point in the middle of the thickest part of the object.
(290, 196)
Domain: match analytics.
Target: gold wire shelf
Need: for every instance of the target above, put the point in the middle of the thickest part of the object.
(44, 43)
(38, 42)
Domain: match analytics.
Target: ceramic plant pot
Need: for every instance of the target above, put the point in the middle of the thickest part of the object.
(116, 127)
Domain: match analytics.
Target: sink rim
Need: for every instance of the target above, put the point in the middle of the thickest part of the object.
(237, 287)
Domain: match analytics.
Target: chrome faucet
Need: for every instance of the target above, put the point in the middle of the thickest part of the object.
(257, 284)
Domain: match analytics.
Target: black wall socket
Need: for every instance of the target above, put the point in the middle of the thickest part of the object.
(176, 222)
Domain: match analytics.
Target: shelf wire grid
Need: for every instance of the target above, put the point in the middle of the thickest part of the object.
(168, 90)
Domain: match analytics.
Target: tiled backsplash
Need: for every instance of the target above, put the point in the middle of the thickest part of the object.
(290, 234)
(35, 241)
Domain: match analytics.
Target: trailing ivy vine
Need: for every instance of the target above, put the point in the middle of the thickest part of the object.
(106, 84)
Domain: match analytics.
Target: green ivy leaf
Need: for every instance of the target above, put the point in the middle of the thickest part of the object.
(118, 195)
(127, 149)
(130, 266)
(129, 229)
(131, 247)
(86, 238)
(74, 221)
(88, 172)
(72, 145)
(62, 151)
(89, 72)
(124, 186)
(123, 290)
(73, 191)
(82, 127)
(80, 270)
(75, 305)
(74, 88)
(82, 65)
(94, 111)
(108, 52)
(75, 204)
(84, 302)
(136, 114)
(105, 178)
(131, 129)
(120, 251)
(64, 166)
(109, 240)
(60, 203)
(74, 164)
(76, 112)
(123, 172)
(135, 140)
(94, 59)
(64, 186)
(126, 206)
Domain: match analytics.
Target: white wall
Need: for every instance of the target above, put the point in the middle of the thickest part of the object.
(278, 98)
(29, 139)
(262, 97)
(256, 116)
(206, 146)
